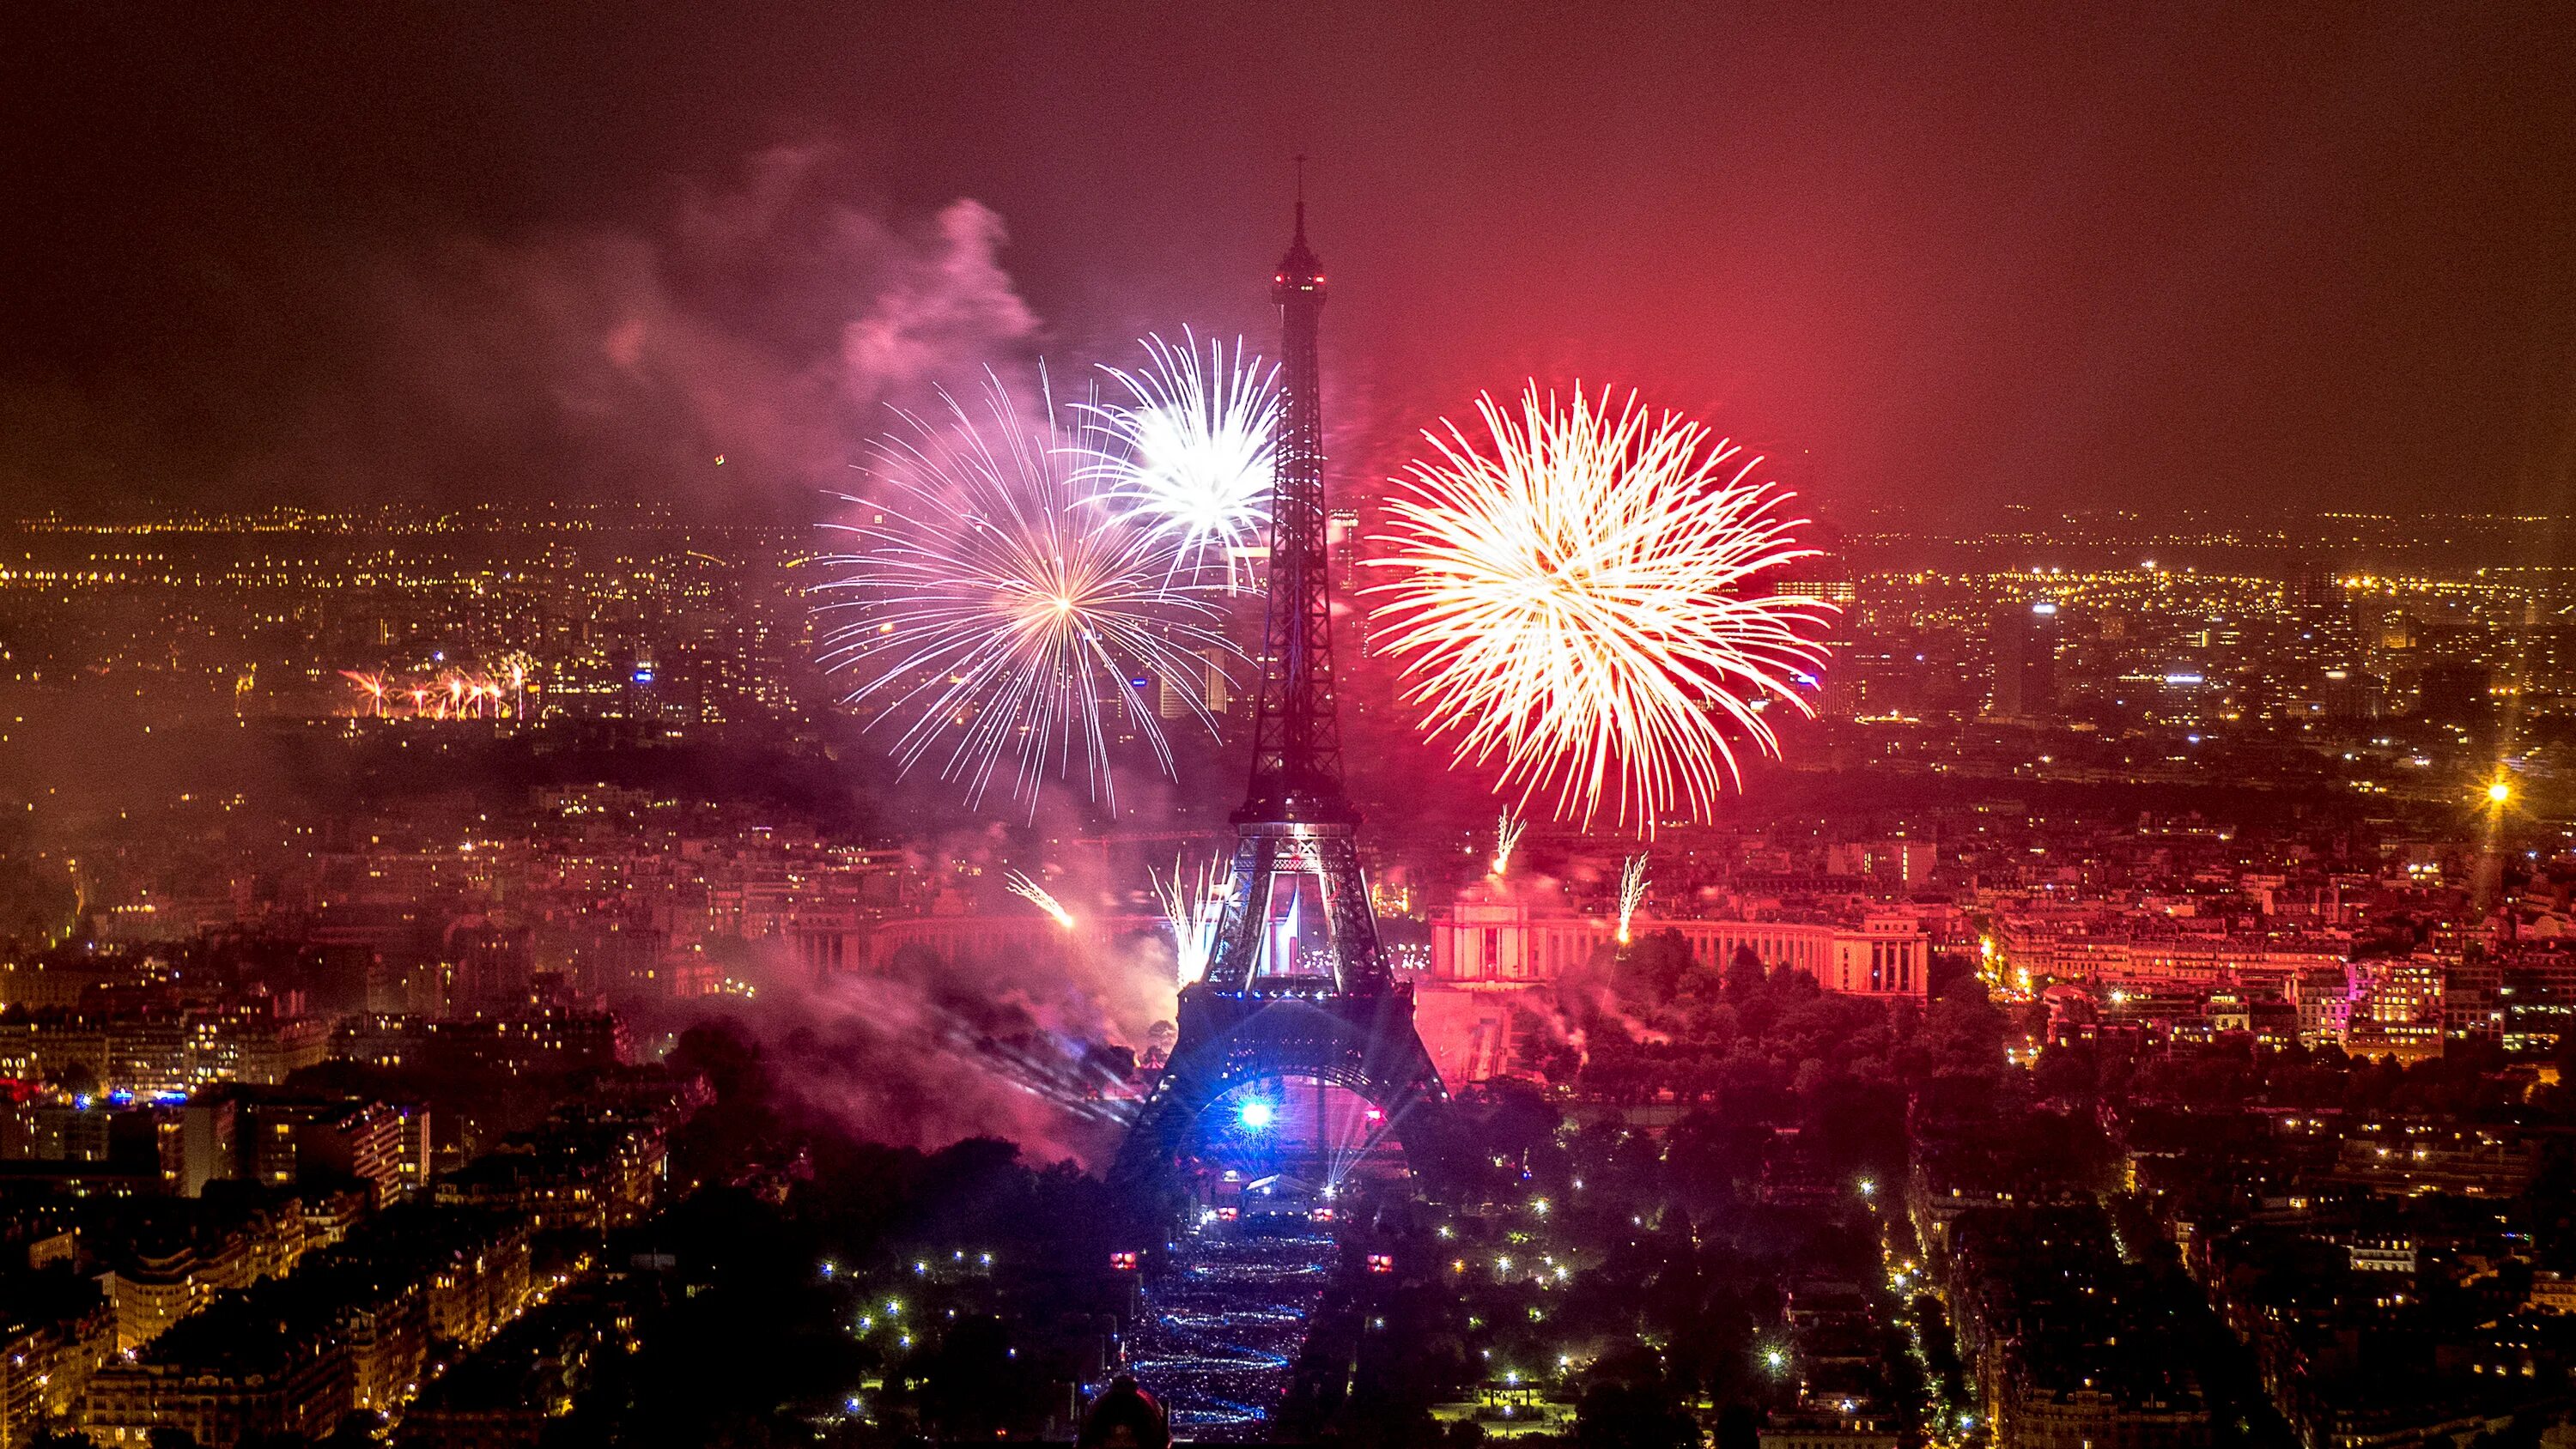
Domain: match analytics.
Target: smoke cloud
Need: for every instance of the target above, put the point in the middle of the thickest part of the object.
(923, 1054)
(737, 353)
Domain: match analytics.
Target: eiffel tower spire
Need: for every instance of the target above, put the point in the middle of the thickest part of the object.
(1294, 853)
(1296, 737)
(1297, 983)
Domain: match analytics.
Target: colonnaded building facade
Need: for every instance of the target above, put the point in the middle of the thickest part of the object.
(1487, 950)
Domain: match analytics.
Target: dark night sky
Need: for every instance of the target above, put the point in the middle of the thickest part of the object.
(2125, 255)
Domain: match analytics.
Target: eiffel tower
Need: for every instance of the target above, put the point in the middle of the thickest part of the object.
(1297, 984)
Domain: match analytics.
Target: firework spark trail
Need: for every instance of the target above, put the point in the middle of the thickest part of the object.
(1632, 893)
(1038, 896)
(1191, 905)
(1573, 598)
(517, 666)
(1507, 838)
(993, 600)
(370, 687)
(453, 695)
(1190, 454)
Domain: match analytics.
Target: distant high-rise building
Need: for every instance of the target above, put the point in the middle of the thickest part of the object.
(495, 970)
(1209, 689)
(1820, 579)
(1342, 546)
(1342, 551)
(2455, 694)
(2025, 655)
(2348, 695)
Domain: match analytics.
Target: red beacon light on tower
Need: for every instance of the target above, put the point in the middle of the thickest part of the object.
(1381, 1262)
(1122, 1262)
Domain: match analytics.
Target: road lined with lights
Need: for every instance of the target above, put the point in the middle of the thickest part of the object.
(1220, 1332)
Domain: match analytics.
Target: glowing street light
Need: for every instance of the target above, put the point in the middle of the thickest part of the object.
(2499, 792)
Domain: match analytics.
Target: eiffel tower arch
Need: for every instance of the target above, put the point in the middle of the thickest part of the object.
(1297, 985)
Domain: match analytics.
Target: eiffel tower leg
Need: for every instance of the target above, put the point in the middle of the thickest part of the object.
(1365, 1044)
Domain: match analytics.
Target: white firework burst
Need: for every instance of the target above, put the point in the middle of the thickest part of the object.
(1577, 597)
(1191, 448)
(998, 612)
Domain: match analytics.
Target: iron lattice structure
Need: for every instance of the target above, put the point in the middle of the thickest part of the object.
(1268, 1008)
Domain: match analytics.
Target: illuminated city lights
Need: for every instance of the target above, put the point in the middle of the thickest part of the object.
(496, 941)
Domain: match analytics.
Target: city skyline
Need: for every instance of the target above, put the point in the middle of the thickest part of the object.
(707, 739)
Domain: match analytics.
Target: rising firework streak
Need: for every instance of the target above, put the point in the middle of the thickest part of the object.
(1632, 893)
(998, 604)
(1191, 903)
(1507, 837)
(1038, 896)
(1573, 596)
